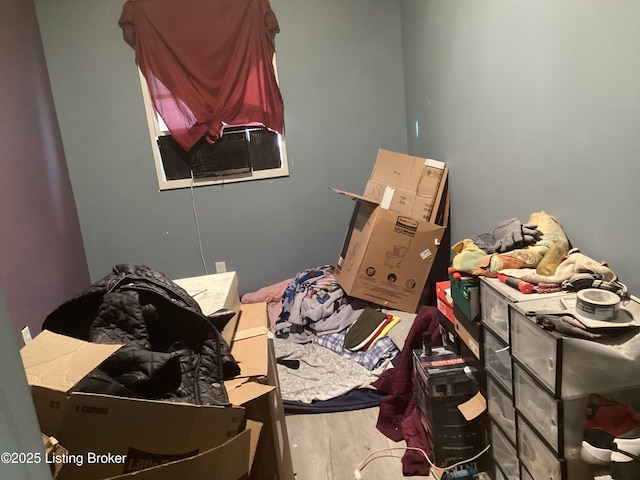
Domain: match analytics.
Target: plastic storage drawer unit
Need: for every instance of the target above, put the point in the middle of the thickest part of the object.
(494, 306)
(501, 408)
(500, 475)
(524, 475)
(497, 360)
(495, 309)
(559, 422)
(504, 454)
(567, 366)
(542, 463)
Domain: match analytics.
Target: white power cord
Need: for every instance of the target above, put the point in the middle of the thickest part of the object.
(358, 475)
(195, 214)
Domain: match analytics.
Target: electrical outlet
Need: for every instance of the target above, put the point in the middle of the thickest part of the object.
(26, 335)
(221, 267)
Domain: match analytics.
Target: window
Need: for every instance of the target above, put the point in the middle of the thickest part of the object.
(241, 154)
(209, 66)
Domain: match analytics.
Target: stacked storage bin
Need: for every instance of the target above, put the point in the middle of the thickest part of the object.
(539, 384)
(498, 366)
(553, 377)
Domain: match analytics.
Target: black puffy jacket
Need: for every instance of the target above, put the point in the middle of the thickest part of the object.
(171, 351)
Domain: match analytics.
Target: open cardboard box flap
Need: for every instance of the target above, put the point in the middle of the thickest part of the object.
(440, 214)
(386, 257)
(250, 349)
(59, 362)
(355, 196)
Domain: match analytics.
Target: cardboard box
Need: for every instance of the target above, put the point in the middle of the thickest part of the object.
(214, 292)
(473, 342)
(448, 333)
(258, 391)
(108, 436)
(386, 257)
(444, 301)
(395, 231)
(406, 184)
(215, 460)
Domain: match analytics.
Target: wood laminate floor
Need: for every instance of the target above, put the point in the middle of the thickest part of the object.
(330, 446)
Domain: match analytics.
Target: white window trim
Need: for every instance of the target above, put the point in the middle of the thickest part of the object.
(164, 184)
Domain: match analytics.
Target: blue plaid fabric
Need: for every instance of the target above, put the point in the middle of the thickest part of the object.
(381, 350)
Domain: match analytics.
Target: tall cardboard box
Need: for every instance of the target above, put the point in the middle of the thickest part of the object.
(387, 253)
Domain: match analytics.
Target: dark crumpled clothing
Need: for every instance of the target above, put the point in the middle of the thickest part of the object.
(171, 350)
(399, 417)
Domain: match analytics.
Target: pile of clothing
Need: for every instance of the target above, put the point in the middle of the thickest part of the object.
(515, 249)
(366, 340)
(329, 346)
(316, 310)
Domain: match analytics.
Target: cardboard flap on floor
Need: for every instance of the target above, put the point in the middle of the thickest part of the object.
(473, 407)
(59, 362)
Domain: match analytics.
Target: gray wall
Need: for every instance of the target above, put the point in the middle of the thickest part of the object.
(42, 260)
(534, 106)
(340, 68)
(19, 429)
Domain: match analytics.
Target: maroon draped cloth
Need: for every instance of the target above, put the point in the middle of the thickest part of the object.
(208, 63)
(399, 417)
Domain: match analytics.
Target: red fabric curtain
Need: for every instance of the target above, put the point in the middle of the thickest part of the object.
(208, 63)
